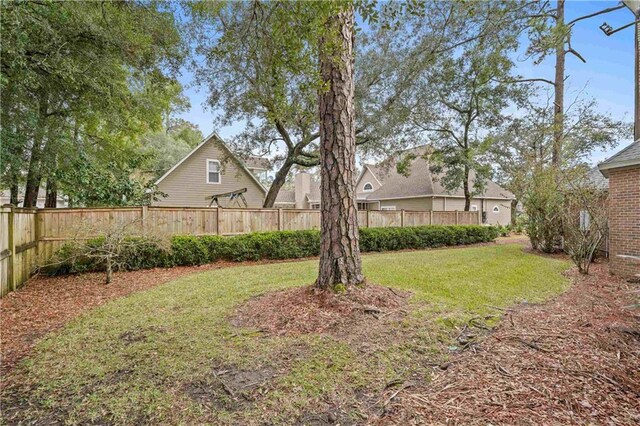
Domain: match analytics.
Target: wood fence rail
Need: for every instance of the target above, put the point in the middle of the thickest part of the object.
(30, 237)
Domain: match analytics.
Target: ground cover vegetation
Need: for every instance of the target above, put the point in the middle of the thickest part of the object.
(134, 252)
(180, 352)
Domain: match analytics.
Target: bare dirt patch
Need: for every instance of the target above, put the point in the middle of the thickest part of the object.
(574, 360)
(230, 388)
(140, 334)
(306, 310)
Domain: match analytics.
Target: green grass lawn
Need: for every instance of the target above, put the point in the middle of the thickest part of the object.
(170, 355)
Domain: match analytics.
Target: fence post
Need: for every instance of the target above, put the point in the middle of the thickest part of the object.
(36, 236)
(431, 217)
(402, 218)
(218, 211)
(456, 217)
(479, 217)
(12, 249)
(280, 219)
(367, 217)
(143, 218)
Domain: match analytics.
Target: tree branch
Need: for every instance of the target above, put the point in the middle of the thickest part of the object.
(591, 15)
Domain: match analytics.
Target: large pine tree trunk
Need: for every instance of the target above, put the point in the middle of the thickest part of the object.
(340, 263)
(558, 103)
(276, 185)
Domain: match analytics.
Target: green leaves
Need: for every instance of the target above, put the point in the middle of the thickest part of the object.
(88, 76)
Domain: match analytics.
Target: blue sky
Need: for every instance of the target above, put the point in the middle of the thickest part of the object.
(607, 76)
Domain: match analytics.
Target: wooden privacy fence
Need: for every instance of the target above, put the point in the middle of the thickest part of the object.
(31, 236)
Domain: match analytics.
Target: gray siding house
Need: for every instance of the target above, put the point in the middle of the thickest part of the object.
(210, 168)
(381, 187)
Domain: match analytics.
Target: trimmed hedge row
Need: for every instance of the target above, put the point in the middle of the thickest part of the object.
(198, 250)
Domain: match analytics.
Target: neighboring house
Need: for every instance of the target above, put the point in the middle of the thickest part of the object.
(383, 188)
(5, 198)
(623, 173)
(305, 195)
(211, 168)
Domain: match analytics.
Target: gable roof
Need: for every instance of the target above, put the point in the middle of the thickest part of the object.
(597, 179)
(421, 181)
(215, 138)
(286, 196)
(629, 156)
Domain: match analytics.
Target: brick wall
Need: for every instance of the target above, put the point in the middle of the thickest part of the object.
(624, 222)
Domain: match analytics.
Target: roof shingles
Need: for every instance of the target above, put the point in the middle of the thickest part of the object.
(421, 182)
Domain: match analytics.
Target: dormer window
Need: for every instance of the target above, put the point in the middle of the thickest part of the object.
(496, 209)
(367, 187)
(213, 171)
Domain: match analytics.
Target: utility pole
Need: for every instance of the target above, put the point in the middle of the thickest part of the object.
(634, 7)
(636, 123)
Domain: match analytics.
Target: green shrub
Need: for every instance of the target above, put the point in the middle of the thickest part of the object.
(198, 250)
(189, 250)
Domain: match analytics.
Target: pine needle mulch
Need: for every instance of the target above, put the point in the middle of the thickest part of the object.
(573, 360)
(305, 310)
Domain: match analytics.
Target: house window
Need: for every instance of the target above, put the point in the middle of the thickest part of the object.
(474, 208)
(362, 206)
(496, 209)
(315, 206)
(213, 171)
(388, 208)
(367, 187)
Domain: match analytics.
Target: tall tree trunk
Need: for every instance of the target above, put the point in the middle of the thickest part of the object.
(340, 263)
(558, 103)
(34, 173)
(32, 185)
(51, 198)
(13, 192)
(467, 191)
(276, 185)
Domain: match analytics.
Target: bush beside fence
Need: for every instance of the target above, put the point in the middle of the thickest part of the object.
(199, 250)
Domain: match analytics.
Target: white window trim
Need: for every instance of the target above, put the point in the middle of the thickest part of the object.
(212, 160)
(364, 189)
(388, 208)
(496, 209)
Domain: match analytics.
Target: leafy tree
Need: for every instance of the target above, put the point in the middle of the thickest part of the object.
(526, 143)
(551, 34)
(81, 77)
(261, 71)
(163, 149)
(457, 105)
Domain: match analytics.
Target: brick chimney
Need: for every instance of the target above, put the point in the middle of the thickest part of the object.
(302, 188)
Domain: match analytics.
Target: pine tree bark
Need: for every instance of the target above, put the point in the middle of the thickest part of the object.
(340, 262)
(558, 103)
